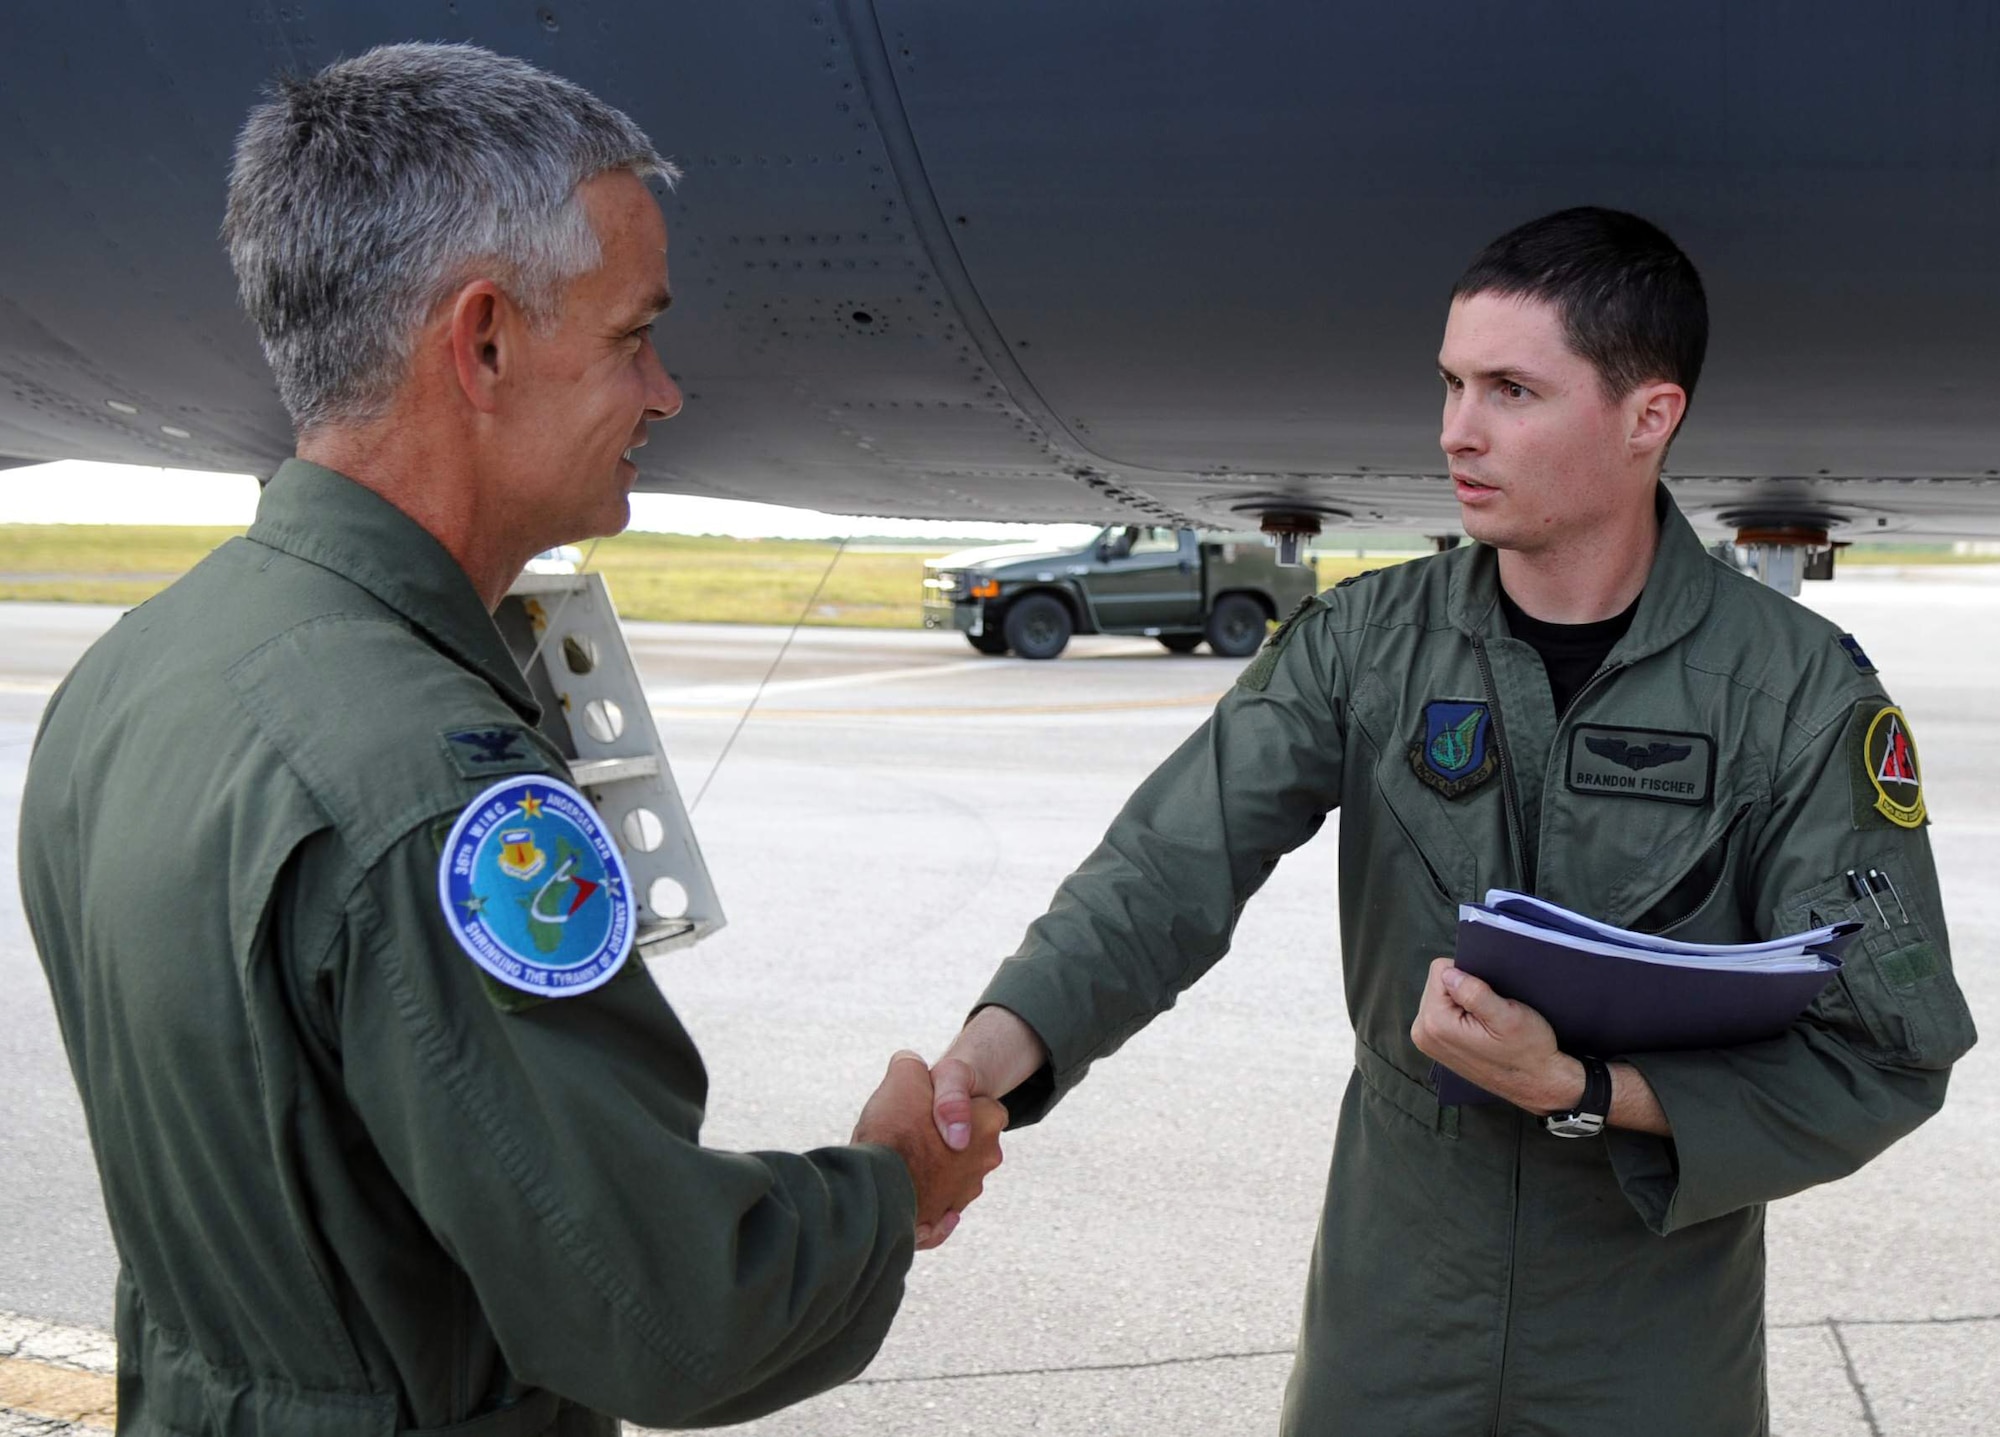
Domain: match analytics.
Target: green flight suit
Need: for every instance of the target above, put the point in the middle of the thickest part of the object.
(356, 1187)
(1473, 1273)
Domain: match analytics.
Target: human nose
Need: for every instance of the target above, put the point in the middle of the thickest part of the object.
(663, 396)
(1459, 433)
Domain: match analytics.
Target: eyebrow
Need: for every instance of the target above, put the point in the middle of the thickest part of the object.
(657, 304)
(1506, 374)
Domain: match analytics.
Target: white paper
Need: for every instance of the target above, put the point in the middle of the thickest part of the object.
(1538, 918)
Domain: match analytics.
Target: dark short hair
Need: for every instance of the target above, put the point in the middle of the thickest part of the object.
(1631, 303)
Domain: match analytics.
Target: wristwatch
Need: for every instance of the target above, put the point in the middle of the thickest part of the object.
(1586, 1119)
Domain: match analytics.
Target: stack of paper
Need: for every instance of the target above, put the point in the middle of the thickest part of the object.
(1609, 992)
(1537, 917)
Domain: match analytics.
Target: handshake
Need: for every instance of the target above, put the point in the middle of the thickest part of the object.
(945, 1122)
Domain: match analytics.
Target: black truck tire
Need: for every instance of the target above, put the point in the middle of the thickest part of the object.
(1236, 626)
(1180, 643)
(991, 643)
(1038, 626)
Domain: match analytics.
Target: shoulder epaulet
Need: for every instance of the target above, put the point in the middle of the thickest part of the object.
(1852, 647)
(1357, 578)
(378, 770)
(1257, 673)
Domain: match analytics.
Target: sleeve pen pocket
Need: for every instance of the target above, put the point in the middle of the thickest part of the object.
(1896, 997)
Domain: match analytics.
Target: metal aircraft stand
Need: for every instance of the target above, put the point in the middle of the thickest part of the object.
(565, 635)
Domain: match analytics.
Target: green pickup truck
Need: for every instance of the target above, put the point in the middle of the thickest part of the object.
(1179, 586)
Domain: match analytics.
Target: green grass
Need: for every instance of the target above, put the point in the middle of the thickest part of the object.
(673, 577)
(1908, 554)
(652, 576)
(705, 579)
(98, 563)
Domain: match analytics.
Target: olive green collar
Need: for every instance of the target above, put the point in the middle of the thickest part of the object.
(325, 518)
(1679, 588)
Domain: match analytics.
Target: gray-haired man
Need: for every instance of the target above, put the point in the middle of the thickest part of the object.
(363, 1177)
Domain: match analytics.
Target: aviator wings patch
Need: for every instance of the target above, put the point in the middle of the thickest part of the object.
(1635, 757)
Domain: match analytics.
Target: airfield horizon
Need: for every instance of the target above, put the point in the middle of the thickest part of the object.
(667, 578)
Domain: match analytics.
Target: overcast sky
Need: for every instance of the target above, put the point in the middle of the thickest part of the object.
(75, 492)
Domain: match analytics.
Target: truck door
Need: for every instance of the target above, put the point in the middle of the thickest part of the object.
(1147, 578)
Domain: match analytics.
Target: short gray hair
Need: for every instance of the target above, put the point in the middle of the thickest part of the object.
(364, 195)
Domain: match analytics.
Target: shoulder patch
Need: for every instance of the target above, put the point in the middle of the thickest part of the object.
(493, 749)
(1884, 773)
(1852, 646)
(535, 890)
(1256, 675)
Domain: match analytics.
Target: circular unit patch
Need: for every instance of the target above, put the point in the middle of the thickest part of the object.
(535, 889)
(1890, 756)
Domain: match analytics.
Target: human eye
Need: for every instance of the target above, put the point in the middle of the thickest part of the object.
(1511, 390)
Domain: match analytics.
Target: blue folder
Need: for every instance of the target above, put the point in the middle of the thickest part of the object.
(1609, 993)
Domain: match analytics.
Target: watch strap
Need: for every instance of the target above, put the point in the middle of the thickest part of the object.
(1592, 1110)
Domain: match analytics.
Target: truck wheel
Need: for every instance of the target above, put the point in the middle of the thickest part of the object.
(1038, 627)
(1180, 643)
(988, 643)
(1236, 626)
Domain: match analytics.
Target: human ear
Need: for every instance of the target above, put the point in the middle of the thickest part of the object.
(1656, 411)
(479, 342)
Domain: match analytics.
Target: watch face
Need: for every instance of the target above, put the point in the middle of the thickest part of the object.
(1575, 1125)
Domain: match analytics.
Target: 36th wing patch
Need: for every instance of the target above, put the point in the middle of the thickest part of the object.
(535, 890)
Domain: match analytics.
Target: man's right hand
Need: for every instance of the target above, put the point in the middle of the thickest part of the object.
(994, 1054)
(947, 1181)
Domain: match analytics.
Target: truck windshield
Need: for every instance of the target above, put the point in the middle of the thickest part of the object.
(1123, 541)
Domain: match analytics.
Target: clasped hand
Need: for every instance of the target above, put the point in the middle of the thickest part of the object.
(947, 1177)
(1505, 1047)
(946, 1122)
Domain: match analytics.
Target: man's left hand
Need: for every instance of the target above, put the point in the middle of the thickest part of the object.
(1505, 1047)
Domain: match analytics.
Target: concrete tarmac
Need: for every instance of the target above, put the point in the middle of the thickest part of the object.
(892, 816)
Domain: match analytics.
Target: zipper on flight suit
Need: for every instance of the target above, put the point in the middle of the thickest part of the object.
(1517, 832)
(1517, 839)
(1604, 672)
(1558, 749)
(1507, 1298)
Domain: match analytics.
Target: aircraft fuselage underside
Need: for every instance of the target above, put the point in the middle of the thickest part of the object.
(1173, 262)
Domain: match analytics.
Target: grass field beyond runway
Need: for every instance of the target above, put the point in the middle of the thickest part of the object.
(671, 577)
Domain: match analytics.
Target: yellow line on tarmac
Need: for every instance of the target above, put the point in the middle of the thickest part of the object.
(59, 1394)
(966, 710)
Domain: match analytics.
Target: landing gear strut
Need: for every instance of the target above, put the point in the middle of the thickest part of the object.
(1781, 556)
(1291, 531)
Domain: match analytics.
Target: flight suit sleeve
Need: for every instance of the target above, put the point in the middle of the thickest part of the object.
(1154, 906)
(1870, 1059)
(553, 1147)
